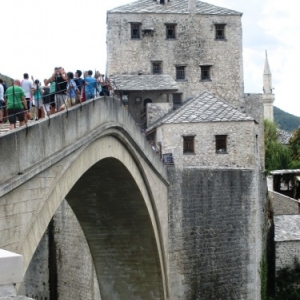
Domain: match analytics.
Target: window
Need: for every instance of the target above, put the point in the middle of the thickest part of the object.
(135, 31)
(171, 31)
(221, 144)
(220, 31)
(156, 67)
(188, 144)
(177, 100)
(180, 73)
(205, 73)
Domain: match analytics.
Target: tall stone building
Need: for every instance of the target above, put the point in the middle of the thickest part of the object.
(178, 66)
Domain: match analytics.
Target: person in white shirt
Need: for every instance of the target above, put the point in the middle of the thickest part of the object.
(27, 86)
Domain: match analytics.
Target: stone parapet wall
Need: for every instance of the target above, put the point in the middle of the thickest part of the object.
(282, 204)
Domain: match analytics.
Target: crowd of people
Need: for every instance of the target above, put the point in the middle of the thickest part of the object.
(59, 92)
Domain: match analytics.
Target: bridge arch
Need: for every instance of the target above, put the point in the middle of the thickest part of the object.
(112, 142)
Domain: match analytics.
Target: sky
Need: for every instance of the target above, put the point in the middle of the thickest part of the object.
(39, 35)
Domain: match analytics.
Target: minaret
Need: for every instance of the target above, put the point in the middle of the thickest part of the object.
(268, 96)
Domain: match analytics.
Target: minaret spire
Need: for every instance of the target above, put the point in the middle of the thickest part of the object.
(268, 96)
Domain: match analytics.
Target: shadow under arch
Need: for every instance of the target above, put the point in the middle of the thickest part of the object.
(114, 218)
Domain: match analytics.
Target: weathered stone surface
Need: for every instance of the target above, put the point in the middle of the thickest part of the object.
(214, 234)
(144, 82)
(287, 236)
(29, 201)
(282, 204)
(203, 108)
(194, 46)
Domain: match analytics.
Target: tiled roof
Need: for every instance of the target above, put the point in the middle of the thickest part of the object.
(287, 228)
(144, 83)
(203, 108)
(174, 6)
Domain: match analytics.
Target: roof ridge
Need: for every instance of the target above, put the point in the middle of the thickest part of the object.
(220, 110)
(174, 6)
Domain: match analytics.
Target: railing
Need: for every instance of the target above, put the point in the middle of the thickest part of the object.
(22, 116)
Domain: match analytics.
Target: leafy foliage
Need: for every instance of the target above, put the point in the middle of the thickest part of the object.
(286, 121)
(295, 145)
(288, 282)
(277, 156)
(6, 79)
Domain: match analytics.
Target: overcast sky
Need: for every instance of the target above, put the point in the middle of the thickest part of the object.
(38, 35)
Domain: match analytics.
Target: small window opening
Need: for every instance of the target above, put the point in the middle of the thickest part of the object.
(171, 31)
(180, 73)
(188, 144)
(156, 68)
(220, 31)
(221, 144)
(205, 72)
(177, 100)
(136, 31)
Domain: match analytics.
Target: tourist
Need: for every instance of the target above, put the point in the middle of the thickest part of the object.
(27, 86)
(2, 103)
(60, 79)
(98, 78)
(71, 92)
(38, 100)
(16, 103)
(90, 86)
(52, 82)
(105, 83)
(46, 97)
(80, 84)
(4, 107)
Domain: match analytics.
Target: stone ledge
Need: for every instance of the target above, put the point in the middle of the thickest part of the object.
(11, 267)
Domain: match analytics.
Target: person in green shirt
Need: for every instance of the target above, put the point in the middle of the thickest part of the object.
(16, 104)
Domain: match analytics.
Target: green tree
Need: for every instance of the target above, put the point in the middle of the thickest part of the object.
(287, 282)
(277, 156)
(294, 145)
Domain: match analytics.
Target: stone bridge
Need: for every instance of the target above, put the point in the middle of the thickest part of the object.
(95, 157)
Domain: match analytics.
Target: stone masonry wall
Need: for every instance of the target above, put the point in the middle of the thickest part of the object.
(194, 45)
(215, 221)
(285, 253)
(76, 278)
(36, 279)
(69, 273)
(157, 110)
(241, 144)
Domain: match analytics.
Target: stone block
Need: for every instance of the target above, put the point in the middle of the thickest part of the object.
(11, 267)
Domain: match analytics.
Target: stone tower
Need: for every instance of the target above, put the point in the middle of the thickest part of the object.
(268, 96)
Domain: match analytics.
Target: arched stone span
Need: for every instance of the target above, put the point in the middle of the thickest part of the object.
(58, 174)
(116, 223)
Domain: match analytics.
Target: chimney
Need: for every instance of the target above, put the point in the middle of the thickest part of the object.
(192, 6)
